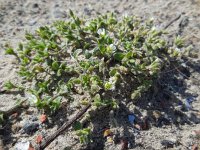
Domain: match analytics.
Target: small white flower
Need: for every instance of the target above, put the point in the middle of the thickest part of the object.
(112, 80)
(158, 60)
(152, 19)
(112, 47)
(112, 88)
(184, 65)
(177, 50)
(101, 31)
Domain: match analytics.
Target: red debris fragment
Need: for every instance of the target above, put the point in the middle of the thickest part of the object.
(124, 144)
(43, 118)
(195, 147)
(39, 139)
(144, 124)
(14, 115)
(31, 147)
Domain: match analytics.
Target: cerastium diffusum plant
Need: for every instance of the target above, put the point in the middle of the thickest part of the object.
(108, 60)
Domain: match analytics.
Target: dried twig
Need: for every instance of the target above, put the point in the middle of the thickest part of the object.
(172, 21)
(65, 126)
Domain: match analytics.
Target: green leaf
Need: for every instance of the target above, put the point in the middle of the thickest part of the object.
(29, 36)
(107, 86)
(20, 46)
(87, 54)
(55, 105)
(129, 55)
(59, 72)
(76, 81)
(77, 53)
(71, 13)
(113, 72)
(97, 101)
(38, 68)
(55, 65)
(77, 126)
(10, 51)
(9, 85)
(119, 56)
(179, 42)
(136, 94)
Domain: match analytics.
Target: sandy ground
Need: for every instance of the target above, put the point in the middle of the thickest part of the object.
(19, 16)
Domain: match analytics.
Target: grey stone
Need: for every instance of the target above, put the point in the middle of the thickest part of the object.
(35, 5)
(168, 143)
(30, 127)
(87, 11)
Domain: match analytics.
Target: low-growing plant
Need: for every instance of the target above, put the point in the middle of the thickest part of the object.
(106, 59)
(82, 133)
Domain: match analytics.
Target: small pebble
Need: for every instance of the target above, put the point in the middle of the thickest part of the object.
(87, 11)
(156, 114)
(30, 127)
(168, 143)
(35, 5)
(33, 118)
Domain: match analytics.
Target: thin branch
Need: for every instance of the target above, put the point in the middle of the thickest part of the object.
(172, 21)
(65, 126)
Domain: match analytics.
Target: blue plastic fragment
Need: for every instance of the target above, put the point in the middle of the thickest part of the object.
(187, 105)
(180, 103)
(131, 118)
(188, 102)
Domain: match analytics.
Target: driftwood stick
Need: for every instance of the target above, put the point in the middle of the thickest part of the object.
(65, 126)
